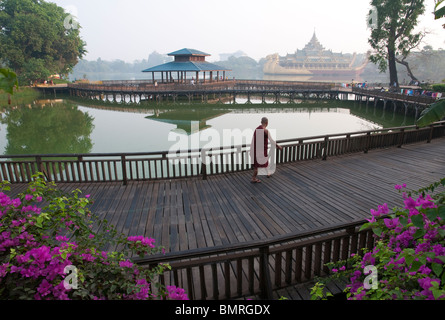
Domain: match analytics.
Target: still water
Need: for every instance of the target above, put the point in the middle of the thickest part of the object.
(65, 126)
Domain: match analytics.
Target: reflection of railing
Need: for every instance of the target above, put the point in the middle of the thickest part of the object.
(259, 267)
(193, 163)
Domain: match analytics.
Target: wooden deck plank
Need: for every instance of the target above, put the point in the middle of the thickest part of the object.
(183, 214)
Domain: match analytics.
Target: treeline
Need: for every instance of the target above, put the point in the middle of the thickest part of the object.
(425, 64)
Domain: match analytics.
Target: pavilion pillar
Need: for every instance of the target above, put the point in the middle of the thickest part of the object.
(217, 76)
(204, 80)
(197, 77)
(211, 76)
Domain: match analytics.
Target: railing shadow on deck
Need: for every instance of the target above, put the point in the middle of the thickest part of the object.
(258, 268)
(124, 167)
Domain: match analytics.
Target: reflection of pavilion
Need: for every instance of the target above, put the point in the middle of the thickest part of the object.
(188, 120)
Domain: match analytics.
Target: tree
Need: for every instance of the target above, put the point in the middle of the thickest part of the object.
(439, 12)
(38, 39)
(393, 33)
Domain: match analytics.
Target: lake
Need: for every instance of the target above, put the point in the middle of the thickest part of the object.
(68, 126)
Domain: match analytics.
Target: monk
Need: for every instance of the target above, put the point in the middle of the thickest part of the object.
(259, 148)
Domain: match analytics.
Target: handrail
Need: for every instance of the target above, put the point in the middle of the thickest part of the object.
(100, 167)
(393, 95)
(259, 267)
(249, 245)
(308, 138)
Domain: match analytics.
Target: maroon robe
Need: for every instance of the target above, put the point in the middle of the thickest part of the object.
(259, 162)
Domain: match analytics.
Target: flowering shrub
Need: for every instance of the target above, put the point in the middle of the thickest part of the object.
(53, 247)
(407, 261)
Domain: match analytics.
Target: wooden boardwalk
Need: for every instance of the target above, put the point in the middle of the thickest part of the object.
(183, 214)
(187, 214)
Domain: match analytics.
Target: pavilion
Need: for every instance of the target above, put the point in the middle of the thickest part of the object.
(188, 60)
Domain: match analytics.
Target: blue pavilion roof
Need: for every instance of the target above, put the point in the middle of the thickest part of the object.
(188, 52)
(188, 66)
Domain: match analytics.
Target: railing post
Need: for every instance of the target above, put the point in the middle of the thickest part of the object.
(402, 137)
(326, 143)
(368, 142)
(430, 137)
(39, 164)
(265, 281)
(124, 170)
(204, 164)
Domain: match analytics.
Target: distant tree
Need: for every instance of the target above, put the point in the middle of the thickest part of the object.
(156, 58)
(393, 34)
(37, 39)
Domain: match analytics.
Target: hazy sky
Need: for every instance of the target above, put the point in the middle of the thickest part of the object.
(131, 29)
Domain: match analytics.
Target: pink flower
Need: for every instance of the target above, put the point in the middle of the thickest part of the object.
(44, 288)
(175, 293)
(126, 264)
(391, 223)
(143, 240)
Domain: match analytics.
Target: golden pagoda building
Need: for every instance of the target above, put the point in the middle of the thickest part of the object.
(314, 63)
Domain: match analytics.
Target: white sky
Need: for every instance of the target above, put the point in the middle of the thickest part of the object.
(131, 29)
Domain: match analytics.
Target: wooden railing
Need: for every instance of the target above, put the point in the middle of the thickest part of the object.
(107, 167)
(149, 87)
(394, 96)
(259, 267)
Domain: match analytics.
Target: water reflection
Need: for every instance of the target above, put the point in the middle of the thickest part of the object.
(46, 127)
(88, 127)
(189, 120)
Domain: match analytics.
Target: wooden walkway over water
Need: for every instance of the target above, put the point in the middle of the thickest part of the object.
(183, 214)
(189, 215)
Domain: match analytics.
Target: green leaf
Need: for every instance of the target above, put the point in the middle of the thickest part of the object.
(437, 293)
(439, 13)
(419, 234)
(8, 80)
(417, 220)
(377, 231)
(365, 226)
(441, 212)
(437, 268)
(403, 220)
(432, 214)
(433, 113)
(409, 259)
(415, 266)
